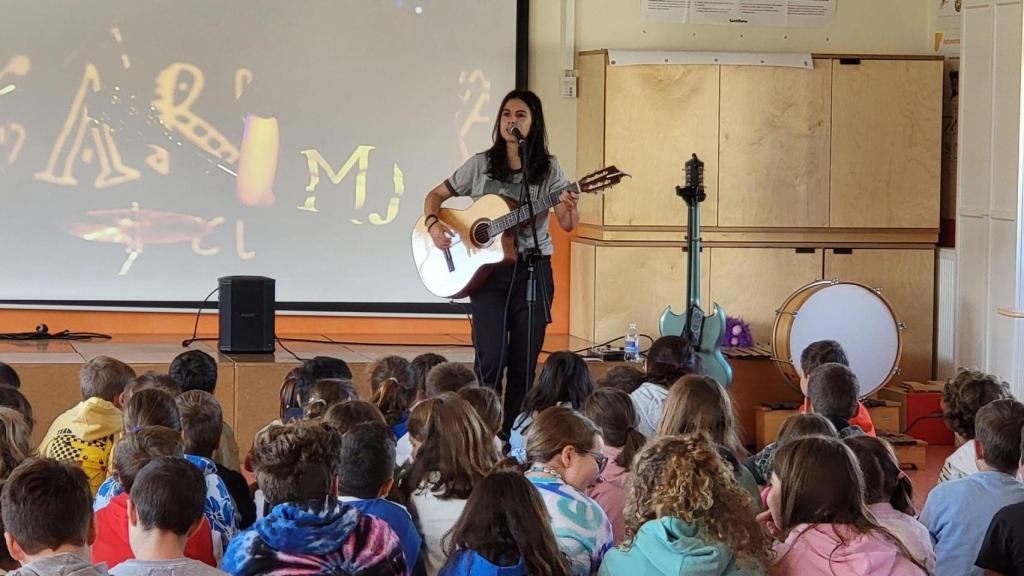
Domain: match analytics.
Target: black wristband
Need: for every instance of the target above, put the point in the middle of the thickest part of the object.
(431, 225)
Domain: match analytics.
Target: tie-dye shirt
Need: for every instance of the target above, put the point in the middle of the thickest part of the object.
(581, 527)
(316, 537)
(219, 508)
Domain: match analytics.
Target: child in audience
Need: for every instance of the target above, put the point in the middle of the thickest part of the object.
(612, 411)
(197, 370)
(366, 470)
(15, 441)
(8, 377)
(669, 359)
(394, 392)
(504, 531)
(564, 381)
(309, 531)
(448, 377)
(150, 380)
(832, 390)
(889, 494)
(824, 352)
(165, 509)
(626, 378)
(47, 517)
(700, 404)
(564, 449)
(13, 398)
(957, 513)
(816, 510)
(157, 408)
(202, 421)
(326, 393)
(113, 545)
(962, 397)
(488, 407)
(85, 434)
(457, 451)
(685, 515)
(421, 365)
(796, 426)
(419, 418)
(1002, 551)
(343, 417)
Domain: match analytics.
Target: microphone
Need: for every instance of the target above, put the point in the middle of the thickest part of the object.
(518, 134)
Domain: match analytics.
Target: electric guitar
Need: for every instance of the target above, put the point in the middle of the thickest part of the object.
(484, 236)
(702, 330)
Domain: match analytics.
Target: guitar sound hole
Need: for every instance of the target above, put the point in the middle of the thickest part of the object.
(481, 233)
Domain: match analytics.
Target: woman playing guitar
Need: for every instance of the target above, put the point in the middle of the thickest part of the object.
(501, 317)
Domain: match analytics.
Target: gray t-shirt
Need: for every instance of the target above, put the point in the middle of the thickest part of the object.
(471, 180)
(177, 567)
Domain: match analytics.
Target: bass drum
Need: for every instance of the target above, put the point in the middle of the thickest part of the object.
(855, 315)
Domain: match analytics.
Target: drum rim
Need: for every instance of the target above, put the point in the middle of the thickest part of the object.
(786, 367)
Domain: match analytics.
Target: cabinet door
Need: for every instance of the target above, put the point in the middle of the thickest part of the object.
(631, 284)
(774, 149)
(907, 280)
(656, 117)
(886, 144)
(751, 283)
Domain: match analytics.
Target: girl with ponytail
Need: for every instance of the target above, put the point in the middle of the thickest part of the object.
(613, 412)
(889, 494)
(393, 384)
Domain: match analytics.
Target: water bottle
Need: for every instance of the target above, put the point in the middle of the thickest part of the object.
(632, 347)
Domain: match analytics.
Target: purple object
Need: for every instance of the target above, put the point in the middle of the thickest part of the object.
(737, 334)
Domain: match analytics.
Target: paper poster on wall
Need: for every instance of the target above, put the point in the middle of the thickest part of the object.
(947, 28)
(777, 13)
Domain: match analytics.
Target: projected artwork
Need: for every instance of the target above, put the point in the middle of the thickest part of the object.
(149, 148)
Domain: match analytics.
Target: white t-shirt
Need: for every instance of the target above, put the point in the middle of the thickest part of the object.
(177, 567)
(403, 450)
(960, 464)
(436, 517)
(649, 399)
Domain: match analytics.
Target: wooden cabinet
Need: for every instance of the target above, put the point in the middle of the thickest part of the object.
(751, 283)
(774, 146)
(886, 140)
(647, 120)
(906, 278)
(612, 285)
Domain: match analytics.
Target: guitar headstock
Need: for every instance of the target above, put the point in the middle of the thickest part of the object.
(601, 179)
(694, 188)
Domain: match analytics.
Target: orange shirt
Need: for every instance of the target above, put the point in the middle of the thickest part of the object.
(862, 418)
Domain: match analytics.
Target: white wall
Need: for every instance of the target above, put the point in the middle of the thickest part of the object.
(988, 246)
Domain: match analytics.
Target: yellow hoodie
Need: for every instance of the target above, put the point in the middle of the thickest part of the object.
(85, 435)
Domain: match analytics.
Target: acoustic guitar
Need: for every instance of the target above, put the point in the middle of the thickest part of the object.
(702, 330)
(484, 236)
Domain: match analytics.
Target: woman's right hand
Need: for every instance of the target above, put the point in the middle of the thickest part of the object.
(441, 234)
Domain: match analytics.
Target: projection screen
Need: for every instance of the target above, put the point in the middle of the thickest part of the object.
(149, 147)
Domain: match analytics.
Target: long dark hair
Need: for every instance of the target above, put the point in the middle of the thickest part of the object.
(565, 378)
(394, 387)
(669, 359)
(613, 411)
(536, 145)
(800, 466)
(504, 520)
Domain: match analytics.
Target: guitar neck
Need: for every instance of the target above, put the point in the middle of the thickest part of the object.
(522, 214)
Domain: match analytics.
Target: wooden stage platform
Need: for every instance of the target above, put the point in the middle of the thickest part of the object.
(248, 385)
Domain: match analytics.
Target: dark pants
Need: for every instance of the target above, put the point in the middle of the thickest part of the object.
(501, 342)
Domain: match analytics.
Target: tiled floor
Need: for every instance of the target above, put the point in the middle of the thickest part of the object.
(924, 480)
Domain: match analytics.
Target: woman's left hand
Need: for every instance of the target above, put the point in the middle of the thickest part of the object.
(569, 199)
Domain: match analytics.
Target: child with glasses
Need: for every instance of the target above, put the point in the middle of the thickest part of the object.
(564, 449)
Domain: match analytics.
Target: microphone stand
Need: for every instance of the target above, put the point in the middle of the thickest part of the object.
(532, 257)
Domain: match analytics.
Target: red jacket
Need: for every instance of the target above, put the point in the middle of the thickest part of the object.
(862, 418)
(112, 546)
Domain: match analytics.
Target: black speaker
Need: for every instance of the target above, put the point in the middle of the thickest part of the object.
(246, 311)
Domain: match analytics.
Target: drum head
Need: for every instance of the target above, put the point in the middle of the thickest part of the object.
(861, 321)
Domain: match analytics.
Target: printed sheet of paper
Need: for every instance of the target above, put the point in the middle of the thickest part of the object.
(778, 13)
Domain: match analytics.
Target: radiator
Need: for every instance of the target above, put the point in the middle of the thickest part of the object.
(945, 313)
